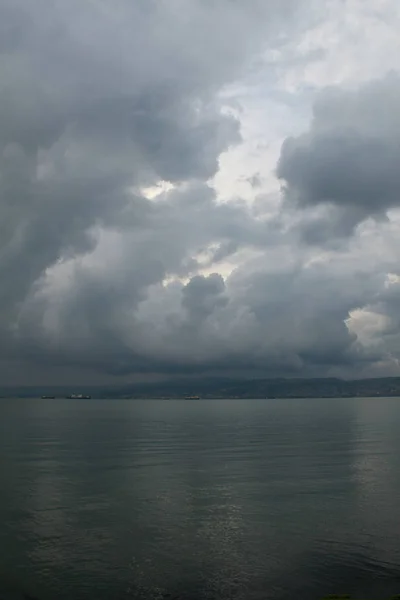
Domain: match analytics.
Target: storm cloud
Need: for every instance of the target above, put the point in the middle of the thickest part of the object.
(116, 254)
(348, 161)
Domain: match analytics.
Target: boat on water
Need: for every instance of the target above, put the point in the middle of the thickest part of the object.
(78, 397)
(48, 397)
(192, 397)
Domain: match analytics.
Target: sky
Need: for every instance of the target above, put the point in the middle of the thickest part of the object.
(193, 188)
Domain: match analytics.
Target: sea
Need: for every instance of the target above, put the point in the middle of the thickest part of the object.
(199, 499)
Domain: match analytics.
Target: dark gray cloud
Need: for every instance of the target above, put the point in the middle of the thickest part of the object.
(287, 322)
(202, 295)
(94, 101)
(98, 104)
(95, 104)
(348, 160)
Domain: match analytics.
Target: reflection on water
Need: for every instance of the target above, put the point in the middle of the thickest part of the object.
(198, 500)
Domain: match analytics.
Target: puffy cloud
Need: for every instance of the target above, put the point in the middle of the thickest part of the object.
(97, 107)
(348, 160)
(287, 320)
(96, 101)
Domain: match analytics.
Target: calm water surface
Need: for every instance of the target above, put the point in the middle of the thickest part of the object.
(271, 499)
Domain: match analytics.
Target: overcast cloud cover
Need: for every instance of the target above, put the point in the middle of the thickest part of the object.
(194, 187)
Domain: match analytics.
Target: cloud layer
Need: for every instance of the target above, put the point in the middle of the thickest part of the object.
(118, 254)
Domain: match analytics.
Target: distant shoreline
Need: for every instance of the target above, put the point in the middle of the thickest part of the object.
(182, 398)
(215, 388)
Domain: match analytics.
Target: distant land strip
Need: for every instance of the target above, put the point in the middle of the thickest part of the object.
(204, 388)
